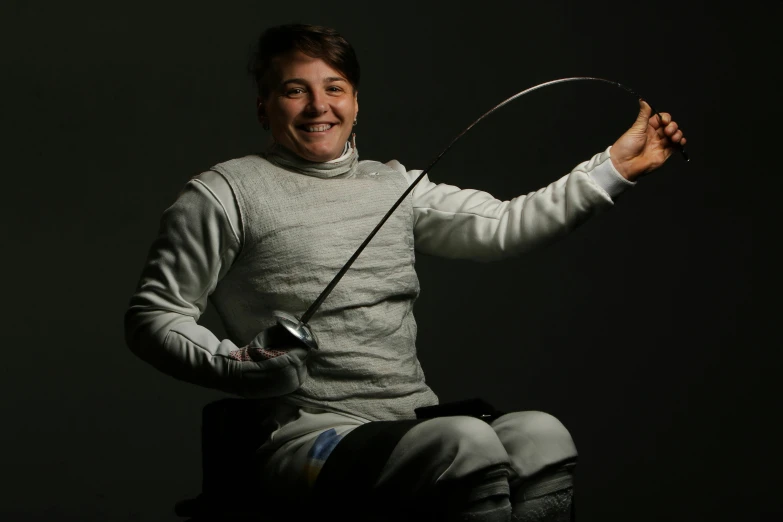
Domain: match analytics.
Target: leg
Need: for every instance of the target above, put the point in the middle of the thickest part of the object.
(450, 468)
(289, 463)
(542, 455)
(455, 468)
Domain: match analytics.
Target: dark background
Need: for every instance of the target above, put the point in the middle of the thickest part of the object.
(638, 331)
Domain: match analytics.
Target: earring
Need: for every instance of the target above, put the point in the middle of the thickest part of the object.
(355, 123)
(265, 123)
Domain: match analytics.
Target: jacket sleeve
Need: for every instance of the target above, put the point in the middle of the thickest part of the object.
(471, 224)
(195, 247)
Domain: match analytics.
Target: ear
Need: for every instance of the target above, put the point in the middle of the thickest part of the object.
(356, 101)
(260, 110)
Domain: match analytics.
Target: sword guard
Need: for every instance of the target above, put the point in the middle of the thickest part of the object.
(300, 331)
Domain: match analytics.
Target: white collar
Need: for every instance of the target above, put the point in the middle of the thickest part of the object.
(347, 151)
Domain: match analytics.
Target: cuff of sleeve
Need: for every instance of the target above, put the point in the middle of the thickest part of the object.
(608, 178)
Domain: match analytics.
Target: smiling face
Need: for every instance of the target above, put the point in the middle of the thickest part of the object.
(310, 108)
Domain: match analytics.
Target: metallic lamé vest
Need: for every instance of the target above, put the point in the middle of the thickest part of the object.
(301, 222)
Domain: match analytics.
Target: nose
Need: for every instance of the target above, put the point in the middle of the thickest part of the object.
(317, 103)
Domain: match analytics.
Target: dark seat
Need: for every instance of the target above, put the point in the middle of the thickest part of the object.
(232, 429)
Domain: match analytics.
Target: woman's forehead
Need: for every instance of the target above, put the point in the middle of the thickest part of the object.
(299, 66)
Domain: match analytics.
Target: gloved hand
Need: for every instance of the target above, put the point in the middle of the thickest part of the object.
(279, 363)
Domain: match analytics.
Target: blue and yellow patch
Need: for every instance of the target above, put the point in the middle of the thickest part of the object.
(320, 450)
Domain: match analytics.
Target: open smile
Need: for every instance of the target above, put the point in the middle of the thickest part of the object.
(316, 128)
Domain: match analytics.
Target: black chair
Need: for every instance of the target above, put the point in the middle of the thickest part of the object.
(231, 431)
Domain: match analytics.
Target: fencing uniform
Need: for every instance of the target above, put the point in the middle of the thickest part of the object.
(268, 232)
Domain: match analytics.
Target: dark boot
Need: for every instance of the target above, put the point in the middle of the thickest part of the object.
(547, 497)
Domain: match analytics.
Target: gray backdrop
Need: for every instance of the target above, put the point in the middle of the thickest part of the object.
(637, 330)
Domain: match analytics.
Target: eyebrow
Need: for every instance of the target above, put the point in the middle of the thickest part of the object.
(300, 80)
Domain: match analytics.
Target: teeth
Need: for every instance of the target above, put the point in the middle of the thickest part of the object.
(319, 128)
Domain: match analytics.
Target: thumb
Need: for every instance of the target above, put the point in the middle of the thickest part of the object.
(643, 118)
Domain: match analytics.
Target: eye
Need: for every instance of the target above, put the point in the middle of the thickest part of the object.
(334, 89)
(294, 91)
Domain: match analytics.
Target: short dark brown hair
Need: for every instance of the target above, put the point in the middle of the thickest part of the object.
(314, 41)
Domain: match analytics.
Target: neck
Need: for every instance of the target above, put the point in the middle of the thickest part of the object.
(338, 167)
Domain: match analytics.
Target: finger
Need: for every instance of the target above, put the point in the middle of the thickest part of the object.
(676, 137)
(644, 109)
(643, 118)
(655, 122)
(660, 120)
(682, 142)
(671, 128)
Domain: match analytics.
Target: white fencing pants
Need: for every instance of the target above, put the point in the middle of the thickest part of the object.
(434, 454)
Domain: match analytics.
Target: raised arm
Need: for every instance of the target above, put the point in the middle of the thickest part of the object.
(471, 224)
(463, 223)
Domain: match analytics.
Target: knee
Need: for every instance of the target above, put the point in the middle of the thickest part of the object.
(463, 445)
(534, 440)
(447, 456)
(537, 427)
(475, 469)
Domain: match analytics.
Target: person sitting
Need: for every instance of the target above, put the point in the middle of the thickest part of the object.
(268, 231)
